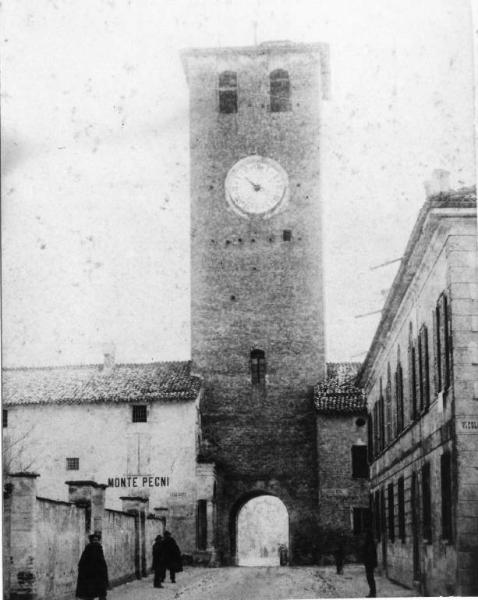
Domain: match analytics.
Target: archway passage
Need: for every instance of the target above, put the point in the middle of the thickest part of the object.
(262, 532)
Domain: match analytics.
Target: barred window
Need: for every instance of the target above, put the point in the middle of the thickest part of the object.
(426, 504)
(359, 461)
(401, 509)
(279, 91)
(258, 367)
(446, 496)
(391, 513)
(228, 92)
(140, 413)
(72, 464)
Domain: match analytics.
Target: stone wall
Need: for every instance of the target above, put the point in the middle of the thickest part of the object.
(45, 538)
(118, 539)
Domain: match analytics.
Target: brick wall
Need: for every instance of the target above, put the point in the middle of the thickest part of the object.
(251, 289)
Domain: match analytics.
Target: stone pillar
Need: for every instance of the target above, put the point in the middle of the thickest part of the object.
(22, 552)
(206, 490)
(138, 506)
(90, 496)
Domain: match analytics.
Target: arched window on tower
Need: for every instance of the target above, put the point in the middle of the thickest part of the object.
(228, 92)
(279, 90)
(258, 367)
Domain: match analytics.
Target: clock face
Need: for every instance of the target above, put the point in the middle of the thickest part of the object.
(257, 186)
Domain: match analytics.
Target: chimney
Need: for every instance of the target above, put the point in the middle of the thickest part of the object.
(108, 358)
(439, 183)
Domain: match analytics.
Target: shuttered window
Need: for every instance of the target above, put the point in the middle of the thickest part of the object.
(228, 92)
(399, 397)
(412, 375)
(391, 513)
(426, 504)
(279, 91)
(258, 367)
(446, 496)
(424, 371)
(388, 406)
(401, 509)
(359, 461)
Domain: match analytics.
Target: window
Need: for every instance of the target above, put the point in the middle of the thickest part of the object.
(287, 235)
(376, 515)
(399, 394)
(423, 368)
(388, 401)
(391, 513)
(446, 510)
(383, 523)
(426, 504)
(201, 524)
(72, 464)
(412, 375)
(279, 91)
(4, 417)
(228, 92)
(401, 509)
(359, 461)
(370, 438)
(381, 409)
(360, 520)
(442, 344)
(140, 413)
(376, 431)
(258, 367)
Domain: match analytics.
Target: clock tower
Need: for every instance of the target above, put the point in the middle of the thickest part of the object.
(257, 304)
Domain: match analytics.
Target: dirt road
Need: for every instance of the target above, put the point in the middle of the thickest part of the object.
(259, 583)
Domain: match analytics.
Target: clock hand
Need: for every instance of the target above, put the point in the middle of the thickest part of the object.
(256, 186)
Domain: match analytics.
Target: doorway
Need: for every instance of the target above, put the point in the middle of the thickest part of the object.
(262, 532)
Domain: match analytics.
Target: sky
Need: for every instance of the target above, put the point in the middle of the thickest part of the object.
(95, 160)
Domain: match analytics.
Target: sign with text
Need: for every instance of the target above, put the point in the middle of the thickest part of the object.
(467, 425)
(137, 481)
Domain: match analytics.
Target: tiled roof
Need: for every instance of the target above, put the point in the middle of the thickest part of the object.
(337, 393)
(165, 381)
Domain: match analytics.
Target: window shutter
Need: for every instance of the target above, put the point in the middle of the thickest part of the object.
(437, 353)
(443, 341)
(448, 341)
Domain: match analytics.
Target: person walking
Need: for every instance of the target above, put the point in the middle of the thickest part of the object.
(92, 571)
(339, 554)
(369, 557)
(158, 562)
(171, 556)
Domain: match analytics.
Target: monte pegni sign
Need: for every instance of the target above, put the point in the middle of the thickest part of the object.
(137, 481)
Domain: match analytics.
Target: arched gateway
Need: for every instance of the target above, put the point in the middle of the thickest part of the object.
(259, 530)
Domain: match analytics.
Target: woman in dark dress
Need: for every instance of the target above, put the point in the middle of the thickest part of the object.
(92, 571)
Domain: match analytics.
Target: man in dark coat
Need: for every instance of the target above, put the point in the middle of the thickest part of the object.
(171, 556)
(92, 571)
(369, 558)
(158, 562)
(339, 554)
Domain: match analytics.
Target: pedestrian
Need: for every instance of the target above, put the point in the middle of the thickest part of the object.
(369, 557)
(158, 562)
(339, 554)
(171, 556)
(92, 571)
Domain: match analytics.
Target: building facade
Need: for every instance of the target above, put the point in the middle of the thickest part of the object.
(132, 428)
(421, 381)
(257, 291)
(343, 470)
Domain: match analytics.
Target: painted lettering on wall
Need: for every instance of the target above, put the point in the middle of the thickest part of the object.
(138, 481)
(468, 425)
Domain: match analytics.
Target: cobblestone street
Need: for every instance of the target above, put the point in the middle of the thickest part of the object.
(260, 583)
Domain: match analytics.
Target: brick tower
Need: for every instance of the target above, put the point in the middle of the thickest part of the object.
(257, 291)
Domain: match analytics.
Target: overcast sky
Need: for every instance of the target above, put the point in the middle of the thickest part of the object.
(95, 150)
